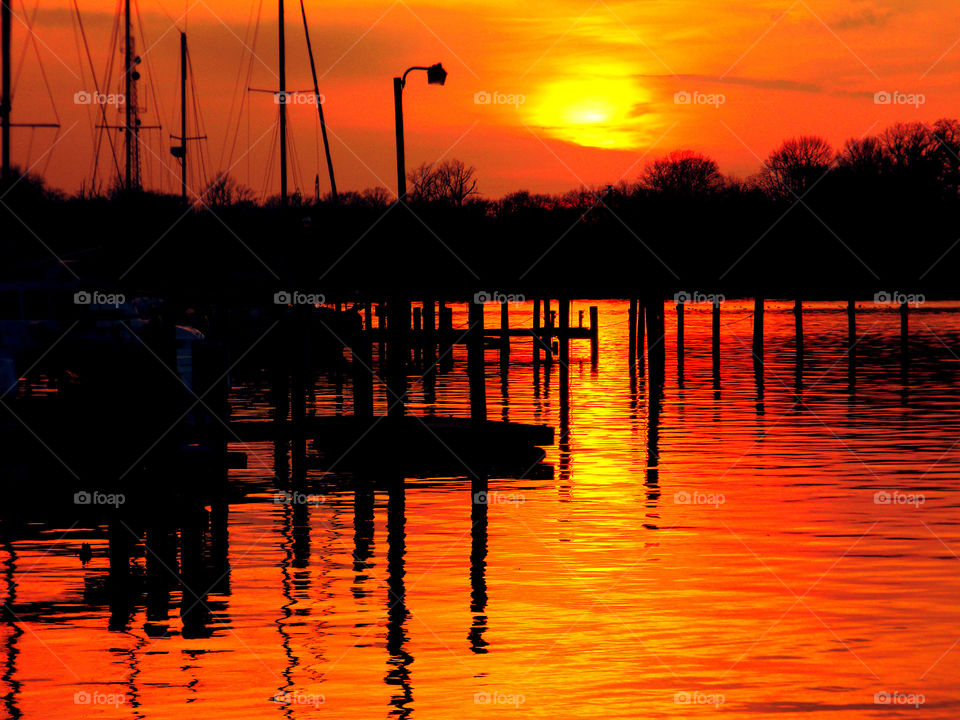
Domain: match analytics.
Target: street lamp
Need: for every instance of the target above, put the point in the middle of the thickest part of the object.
(436, 75)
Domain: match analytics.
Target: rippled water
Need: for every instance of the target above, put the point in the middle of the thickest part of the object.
(788, 547)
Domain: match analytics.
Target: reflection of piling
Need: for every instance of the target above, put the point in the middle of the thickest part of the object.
(478, 562)
(193, 610)
(632, 329)
(121, 600)
(475, 362)
(161, 564)
(400, 659)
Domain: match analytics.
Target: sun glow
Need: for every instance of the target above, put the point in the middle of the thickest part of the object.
(599, 110)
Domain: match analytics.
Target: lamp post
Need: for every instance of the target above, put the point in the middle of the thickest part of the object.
(436, 75)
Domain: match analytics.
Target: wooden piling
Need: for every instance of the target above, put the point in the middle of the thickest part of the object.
(656, 353)
(361, 365)
(632, 328)
(548, 334)
(716, 338)
(418, 329)
(680, 332)
(594, 333)
(445, 325)
(475, 364)
(758, 330)
(429, 345)
(563, 319)
(505, 326)
(798, 325)
(851, 325)
(536, 332)
(398, 324)
(904, 331)
(641, 331)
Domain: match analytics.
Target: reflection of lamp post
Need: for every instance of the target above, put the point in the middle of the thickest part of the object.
(436, 75)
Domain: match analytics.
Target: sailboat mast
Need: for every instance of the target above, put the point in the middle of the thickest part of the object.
(5, 100)
(128, 99)
(282, 97)
(316, 92)
(183, 116)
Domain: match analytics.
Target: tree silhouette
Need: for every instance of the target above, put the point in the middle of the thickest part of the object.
(683, 172)
(795, 167)
(449, 181)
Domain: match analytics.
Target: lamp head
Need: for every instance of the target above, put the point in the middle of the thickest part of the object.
(436, 75)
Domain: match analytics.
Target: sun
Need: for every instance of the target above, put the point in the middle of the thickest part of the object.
(592, 110)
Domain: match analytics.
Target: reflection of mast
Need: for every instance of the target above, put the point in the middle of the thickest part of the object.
(10, 666)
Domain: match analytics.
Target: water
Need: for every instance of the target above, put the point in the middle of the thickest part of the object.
(791, 551)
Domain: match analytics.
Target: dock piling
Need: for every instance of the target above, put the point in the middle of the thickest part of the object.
(475, 364)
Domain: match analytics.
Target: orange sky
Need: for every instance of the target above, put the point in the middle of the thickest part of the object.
(598, 83)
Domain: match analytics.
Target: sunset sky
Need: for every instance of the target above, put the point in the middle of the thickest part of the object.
(581, 93)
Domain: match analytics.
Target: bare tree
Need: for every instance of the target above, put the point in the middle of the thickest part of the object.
(946, 131)
(863, 156)
(224, 190)
(682, 172)
(449, 181)
(795, 167)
